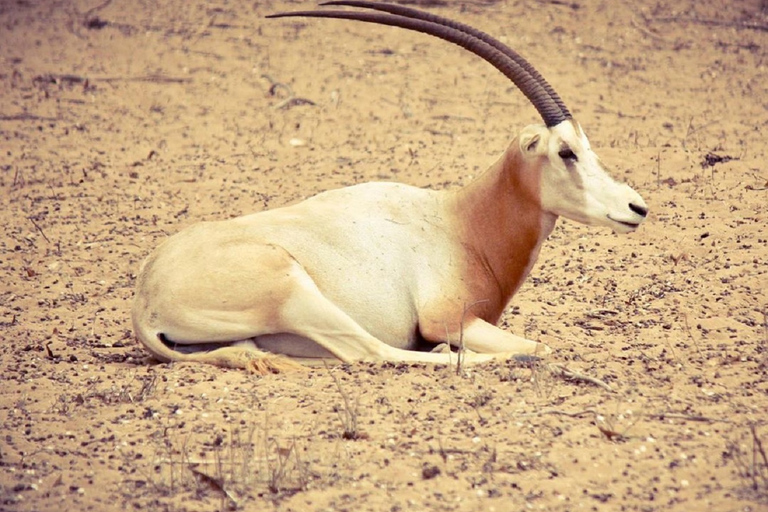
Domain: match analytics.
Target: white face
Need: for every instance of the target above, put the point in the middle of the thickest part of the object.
(574, 183)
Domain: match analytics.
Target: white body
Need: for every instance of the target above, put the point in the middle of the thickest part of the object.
(374, 271)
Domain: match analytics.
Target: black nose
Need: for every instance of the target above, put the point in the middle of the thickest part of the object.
(640, 210)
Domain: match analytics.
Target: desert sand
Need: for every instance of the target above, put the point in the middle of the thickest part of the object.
(123, 122)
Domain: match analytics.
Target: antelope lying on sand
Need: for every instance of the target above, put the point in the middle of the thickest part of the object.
(373, 271)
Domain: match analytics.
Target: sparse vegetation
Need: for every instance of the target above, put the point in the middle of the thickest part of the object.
(240, 466)
(748, 454)
(348, 412)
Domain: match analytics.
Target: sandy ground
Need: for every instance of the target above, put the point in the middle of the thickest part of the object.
(120, 124)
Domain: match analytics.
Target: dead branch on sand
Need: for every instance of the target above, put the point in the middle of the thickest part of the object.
(563, 371)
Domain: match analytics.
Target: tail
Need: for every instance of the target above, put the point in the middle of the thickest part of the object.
(244, 356)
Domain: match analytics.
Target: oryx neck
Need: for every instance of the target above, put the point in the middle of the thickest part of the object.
(503, 226)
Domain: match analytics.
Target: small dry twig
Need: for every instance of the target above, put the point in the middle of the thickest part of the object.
(757, 449)
(25, 116)
(563, 371)
(215, 484)
(560, 412)
(38, 228)
(690, 333)
(747, 25)
(646, 31)
(687, 417)
(605, 427)
(162, 79)
(291, 100)
(764, 345)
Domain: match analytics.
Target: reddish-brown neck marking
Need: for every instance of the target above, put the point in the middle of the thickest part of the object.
(502, 229)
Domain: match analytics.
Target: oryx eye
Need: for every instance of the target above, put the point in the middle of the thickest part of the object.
(567, 154)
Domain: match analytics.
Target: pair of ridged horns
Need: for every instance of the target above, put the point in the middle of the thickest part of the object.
(546, 101)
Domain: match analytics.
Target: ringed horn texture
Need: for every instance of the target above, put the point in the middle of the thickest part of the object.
(546, 101)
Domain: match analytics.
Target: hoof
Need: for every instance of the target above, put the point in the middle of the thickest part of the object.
(442, 348)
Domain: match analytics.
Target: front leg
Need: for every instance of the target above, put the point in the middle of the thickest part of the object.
(479, 336)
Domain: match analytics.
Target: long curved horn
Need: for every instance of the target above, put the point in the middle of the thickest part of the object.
(409, 12)
(530, 85)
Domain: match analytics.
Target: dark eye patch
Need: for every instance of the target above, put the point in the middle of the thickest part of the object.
(567, 153)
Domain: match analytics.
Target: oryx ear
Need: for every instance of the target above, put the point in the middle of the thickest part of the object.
(529, 141)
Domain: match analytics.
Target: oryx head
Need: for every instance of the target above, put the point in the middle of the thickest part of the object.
(574, 182)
